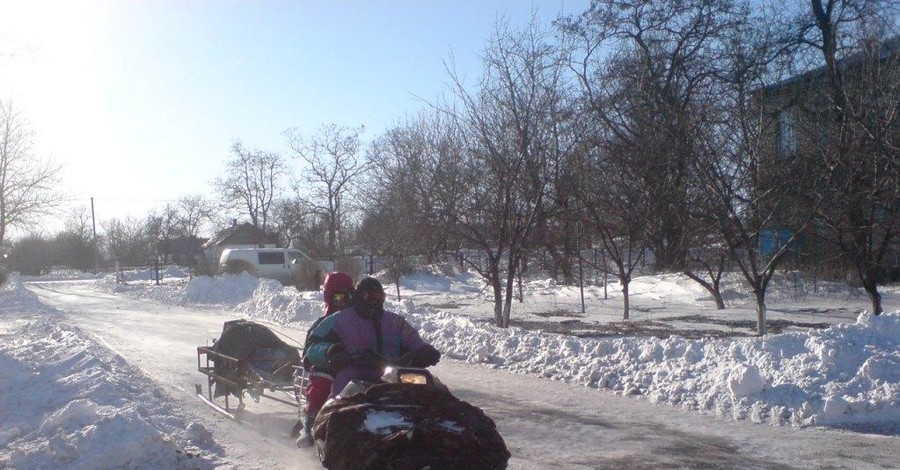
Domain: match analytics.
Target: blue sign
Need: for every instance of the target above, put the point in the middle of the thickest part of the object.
(772, 240)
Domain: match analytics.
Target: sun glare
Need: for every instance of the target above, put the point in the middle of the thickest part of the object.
(47, 50)
(49, 56)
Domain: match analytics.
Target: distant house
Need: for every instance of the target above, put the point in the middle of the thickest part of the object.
(805, 99)
(182, 251)
(799, 117)
(244, 235)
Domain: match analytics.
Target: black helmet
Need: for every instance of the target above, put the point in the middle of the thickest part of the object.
(369, 297)
(369, 284)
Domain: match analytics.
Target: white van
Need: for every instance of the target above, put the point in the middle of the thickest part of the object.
(281, 264)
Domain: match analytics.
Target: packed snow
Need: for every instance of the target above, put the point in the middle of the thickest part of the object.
(62, 397)
(64, 402)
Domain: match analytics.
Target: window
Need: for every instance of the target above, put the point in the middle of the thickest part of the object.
(271, 257)
(787, 134)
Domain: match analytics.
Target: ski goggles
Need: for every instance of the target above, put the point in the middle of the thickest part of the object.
(371, 297)
(340, 298)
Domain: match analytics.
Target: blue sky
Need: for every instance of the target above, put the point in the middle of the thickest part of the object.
(140, 101)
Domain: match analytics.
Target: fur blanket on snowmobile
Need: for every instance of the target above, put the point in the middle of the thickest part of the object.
(366, 430)
(256, 347)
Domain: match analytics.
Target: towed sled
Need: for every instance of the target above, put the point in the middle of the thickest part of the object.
(248, 359)
(408, 420)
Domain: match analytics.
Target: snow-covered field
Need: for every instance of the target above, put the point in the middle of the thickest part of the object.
(844, 376)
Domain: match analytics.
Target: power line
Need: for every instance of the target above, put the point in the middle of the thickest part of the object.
(76, 199)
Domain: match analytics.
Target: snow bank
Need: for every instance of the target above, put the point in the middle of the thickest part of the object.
(65, 402)
(843, 375)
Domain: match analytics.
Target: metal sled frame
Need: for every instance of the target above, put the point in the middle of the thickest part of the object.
(245, 379)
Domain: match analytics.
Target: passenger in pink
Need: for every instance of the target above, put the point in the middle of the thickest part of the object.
(337, 292)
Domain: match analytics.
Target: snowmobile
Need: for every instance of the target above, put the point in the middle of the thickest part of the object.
(408, 420)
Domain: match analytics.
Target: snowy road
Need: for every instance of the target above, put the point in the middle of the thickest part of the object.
(547, 425)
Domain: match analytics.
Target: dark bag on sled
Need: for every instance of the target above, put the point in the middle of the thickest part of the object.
(255, 346)
(401, 426)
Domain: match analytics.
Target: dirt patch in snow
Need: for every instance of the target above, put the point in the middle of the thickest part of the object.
(663, 328)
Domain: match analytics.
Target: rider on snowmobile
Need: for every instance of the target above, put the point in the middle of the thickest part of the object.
(355, 342)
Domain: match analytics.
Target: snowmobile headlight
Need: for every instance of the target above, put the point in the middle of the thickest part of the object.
(413, 378)
(407, 375)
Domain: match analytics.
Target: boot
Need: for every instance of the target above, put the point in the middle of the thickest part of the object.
(306, 439)
(297, 429)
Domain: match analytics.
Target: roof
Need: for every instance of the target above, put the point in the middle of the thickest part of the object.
(242, 234)
(889, 48)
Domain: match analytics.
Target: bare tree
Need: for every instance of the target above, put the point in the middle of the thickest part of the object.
(396, 200)
(31, 255)
(404, 202)
(750, 189)
(333, 163)
(164, 223)
(74, 249)
(647, 72)
(513, 127)
(194, 212)
(390, 232)
(302, 227)
(80, 223)
(129, 241)
(855, 136)
(647, 69)
(616, 209)
(28, 185)
(252, 183)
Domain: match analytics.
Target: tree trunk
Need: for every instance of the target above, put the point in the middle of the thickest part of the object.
(507, 309)
(871, 288)
(625, 299)
(511, 275)
(717, 295)
(498, 302)
(712, 287)
(519, 284)
(760, 312)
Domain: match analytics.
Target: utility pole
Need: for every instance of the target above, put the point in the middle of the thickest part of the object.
(94, 230)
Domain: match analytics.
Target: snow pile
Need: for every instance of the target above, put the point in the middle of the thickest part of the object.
(843, 375)
(441, 280)
(84, 408)
(229, 289)
(240, 292)
(281, 305)
(16, 299)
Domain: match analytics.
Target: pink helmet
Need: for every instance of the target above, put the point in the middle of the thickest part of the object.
(335, 282)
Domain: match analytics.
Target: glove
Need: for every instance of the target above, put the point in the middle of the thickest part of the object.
(424, 357)
(337, 356)
(367, 357)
